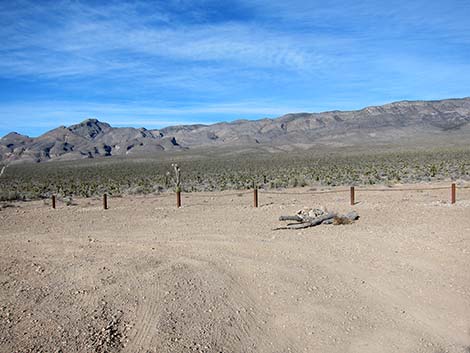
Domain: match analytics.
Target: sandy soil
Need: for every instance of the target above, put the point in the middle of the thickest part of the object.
(212, 276)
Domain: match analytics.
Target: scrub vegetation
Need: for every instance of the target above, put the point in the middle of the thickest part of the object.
(117, 176)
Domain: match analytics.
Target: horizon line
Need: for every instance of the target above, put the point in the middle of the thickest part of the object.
(129, 125)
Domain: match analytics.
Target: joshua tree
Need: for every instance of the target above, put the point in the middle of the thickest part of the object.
(5, 164)
(3, 169)
(177, 178)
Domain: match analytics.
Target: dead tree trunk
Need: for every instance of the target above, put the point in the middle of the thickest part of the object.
(306, 222)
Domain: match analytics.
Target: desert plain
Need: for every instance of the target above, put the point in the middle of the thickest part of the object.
(213, 276)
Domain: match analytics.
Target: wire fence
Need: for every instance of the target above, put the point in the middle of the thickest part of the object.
(262, 191)
(337, 191)
(205, 194)
(256, 192)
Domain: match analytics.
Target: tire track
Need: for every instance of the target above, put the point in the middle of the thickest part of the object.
(146, 315)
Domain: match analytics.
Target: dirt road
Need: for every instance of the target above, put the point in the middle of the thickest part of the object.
(213, 276)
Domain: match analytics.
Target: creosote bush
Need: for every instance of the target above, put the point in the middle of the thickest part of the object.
(118, 176)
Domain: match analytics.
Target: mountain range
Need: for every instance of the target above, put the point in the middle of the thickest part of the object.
(399, 124)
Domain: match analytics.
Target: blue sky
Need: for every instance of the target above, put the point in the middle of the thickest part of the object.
(159, 63)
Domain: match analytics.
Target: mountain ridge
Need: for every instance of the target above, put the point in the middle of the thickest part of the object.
(392, 123)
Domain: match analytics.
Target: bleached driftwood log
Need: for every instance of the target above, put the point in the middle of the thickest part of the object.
(314, 217)
(291, 218)
(305, 222)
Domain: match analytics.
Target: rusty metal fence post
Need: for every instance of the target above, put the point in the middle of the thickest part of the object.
(452, 193)
(53, 201)
(105, 202)
(178, 199)
(353, 196)
(255, 197)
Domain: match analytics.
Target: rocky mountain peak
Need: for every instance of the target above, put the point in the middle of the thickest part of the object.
(413, 123)
(90, 128)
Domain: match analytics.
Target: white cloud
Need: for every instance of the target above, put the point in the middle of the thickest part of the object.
(290, 56)
(76, 40)
(48, 115)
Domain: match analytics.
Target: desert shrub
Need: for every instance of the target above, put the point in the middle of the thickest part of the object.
(91, 178)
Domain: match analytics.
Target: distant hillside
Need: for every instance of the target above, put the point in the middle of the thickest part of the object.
(406, 123)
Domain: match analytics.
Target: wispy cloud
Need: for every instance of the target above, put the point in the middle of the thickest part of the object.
(85, 41)
(181, 61)
(48, 115)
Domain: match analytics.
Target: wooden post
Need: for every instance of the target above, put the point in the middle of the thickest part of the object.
(178, 199)
(353, 200)
(255, 197)
(105, 202)
(452, 193)
(53, 201)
